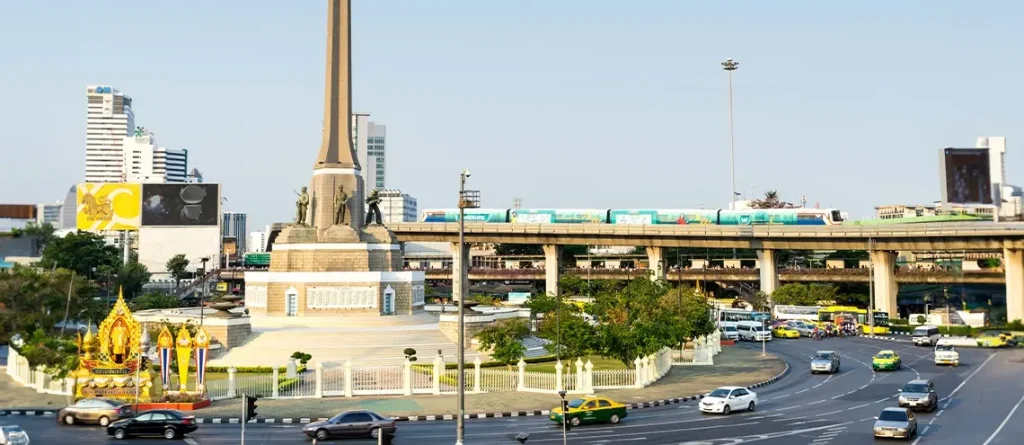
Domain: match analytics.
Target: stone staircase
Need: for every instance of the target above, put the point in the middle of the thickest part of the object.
(366, 341)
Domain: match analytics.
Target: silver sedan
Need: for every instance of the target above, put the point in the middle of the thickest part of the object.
(896, 422)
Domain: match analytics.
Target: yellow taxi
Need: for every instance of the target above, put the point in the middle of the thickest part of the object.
(590, 409)
(783, 331)
(887, 360)
(993, 340)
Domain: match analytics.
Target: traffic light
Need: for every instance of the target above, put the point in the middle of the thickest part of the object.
(250, 407)
(565, 415)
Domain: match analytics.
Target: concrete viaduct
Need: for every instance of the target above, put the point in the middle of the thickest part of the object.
(881, 242)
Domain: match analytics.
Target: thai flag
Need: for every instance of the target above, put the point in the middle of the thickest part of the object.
(165, 366)
(201, 367)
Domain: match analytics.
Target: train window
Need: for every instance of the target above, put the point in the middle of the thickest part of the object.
(837, 216)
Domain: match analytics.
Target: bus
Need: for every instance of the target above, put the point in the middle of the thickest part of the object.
(805, 313)
(837, 314)
(738, 315)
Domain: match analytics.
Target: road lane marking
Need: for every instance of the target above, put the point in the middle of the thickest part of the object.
(857, 407)
(802, 391)
(788, 408)
(949, 398)
(1007, 419)
(815, 403)
(838, 396)
(829, 413)
(882, 400)
(939, 413)
(919, 436)
(191, 441)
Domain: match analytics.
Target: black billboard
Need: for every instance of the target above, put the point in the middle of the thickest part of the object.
(180, 204)
(967, 179)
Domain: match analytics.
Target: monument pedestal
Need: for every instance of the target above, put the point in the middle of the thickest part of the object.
(347, 272)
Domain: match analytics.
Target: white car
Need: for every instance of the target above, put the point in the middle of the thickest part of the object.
(13, 435)
(727, 399)
(945, 354)
(729, 332)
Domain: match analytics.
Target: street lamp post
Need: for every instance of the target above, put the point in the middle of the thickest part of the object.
(871, 288)
(202, 289)
(731, 65)
(468, 199)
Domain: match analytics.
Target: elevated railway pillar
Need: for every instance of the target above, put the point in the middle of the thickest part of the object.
(551, 254)
(1014, 267)
(769, 269)
(883, 263)
(656, 262)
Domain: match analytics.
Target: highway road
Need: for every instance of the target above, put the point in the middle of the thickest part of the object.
(980, 405)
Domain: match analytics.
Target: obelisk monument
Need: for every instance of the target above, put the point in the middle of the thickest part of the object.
(336, 165)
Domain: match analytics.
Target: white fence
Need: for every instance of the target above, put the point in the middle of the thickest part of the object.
(19, 370)
(409, 379)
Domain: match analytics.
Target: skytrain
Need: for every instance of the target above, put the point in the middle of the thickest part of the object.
(743, 217)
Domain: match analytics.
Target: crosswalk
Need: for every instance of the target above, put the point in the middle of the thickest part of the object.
(827, 435)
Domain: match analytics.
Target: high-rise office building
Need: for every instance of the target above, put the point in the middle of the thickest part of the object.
(49, 214)
(396, 206)
(233, 226)
(369, 139)
(146, 162)
(109, 118)
(257, 241)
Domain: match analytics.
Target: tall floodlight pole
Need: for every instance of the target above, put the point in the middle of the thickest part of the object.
(468, 199)
(871, 288)
(731, 65)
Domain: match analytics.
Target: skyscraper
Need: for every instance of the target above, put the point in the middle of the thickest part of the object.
(369, 139)
(146, 162)
(109, 118)
(233, 225)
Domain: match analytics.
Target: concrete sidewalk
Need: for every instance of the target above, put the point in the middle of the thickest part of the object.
(13, 395)
(734, 366)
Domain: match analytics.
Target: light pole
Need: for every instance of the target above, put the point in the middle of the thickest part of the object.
(202, 289)
(731, 65)
(468, 199)
(871, 289)
(565, 418)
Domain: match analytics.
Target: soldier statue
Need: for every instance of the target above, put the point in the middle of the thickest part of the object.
(373, 211)
(340, 205)
(302, 208)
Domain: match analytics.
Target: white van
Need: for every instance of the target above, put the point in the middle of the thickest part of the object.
(753, 331)
(926, 335)
(729, 331)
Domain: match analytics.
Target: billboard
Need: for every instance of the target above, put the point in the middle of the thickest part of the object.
(180, 205)
(966, 176)
(108, 206)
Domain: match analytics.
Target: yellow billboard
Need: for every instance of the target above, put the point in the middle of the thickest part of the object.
(109, 206)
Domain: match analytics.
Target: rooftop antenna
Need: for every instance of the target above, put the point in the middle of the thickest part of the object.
(803, 201)
(517, 203)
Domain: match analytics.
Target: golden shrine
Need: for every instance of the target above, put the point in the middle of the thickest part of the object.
(111, 358)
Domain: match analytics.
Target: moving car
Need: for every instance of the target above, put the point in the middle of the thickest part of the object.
(357, 423)
(590, 409)
(13, 435)
(919, 393)
(887, 360)
(926, 336)
(166, 423)
(98, 411)
(753, 331)
(783, 331)
(728, 399)
(993, 339)
(896, 422)
(805, 329)
(946, 355)
(825, 361)
(729, 332)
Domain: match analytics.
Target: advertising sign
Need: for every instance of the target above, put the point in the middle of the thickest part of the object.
(109, 206)
(966, 176)
(180, 204)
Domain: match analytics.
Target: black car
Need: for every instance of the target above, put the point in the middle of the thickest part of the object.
(165, 423)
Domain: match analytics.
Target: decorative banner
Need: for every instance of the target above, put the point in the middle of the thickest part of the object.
(165, 341)
(184, 347)
(202, 344)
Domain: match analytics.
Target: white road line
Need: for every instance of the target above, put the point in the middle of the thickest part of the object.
(828, 413)
(851, 392)
(781, 397)
(191, 441)
(882, 400)
(788, 408)
(802, 391)
(919, 436)
(1007, 419)
(836, 397)
(789, 419)
(939, 413)
(949, 398)
(858, 406)
(815, 403)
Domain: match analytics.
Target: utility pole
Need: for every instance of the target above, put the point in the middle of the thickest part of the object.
(468, 199)
(729, 66)
(871, 288)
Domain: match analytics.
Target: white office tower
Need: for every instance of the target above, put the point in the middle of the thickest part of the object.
(109, 118)
(369, 140)
(146, 162)
(396, 206)
(257, 241)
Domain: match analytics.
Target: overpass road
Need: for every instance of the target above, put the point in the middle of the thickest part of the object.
(979, 405)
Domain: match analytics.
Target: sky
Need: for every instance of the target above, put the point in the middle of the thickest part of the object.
(567, 104)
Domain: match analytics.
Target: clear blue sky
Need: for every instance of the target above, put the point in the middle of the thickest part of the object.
(582, 103)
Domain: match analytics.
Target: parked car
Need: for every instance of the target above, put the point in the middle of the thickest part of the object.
(727, 399)
(825, 361)
(590, 409)
(13, 435)
(945, 354)
(165, 423)
(887, 360)
(729, 332)
(919, 393)
(358, 423)
(94, 410)
(896, 422)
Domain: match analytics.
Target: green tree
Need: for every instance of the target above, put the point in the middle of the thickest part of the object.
(852, 299)
(792, 294)
(43, 233)
(503, 339)
(570, 334)
(81, 252)
(154, 300)
(760, 301)
(131, 277)
(38, 299)
(177, 266)
(821, 293)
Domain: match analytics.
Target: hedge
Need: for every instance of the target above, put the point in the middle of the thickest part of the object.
(238, 369)
(966, 331)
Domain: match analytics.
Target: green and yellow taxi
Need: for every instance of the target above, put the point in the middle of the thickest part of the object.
(591, 409)
(783, 331)
(886, 360)
(992, 339)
